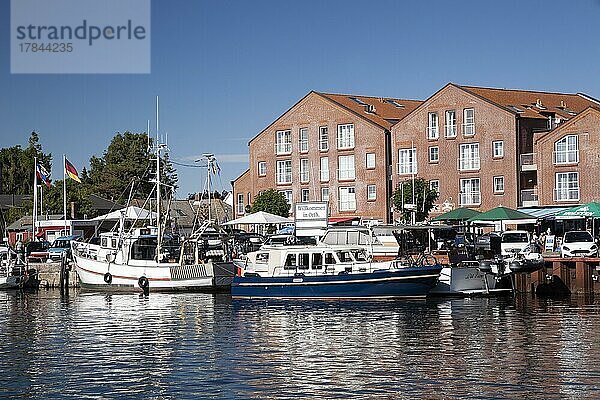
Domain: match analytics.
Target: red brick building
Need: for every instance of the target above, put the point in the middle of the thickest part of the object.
(476, 145)
(327, 147)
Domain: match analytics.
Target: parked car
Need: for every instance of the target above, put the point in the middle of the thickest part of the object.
(514, 242)
(37, 250)
(578, 244)
(60, 246)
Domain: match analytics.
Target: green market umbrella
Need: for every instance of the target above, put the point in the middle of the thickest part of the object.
(504, 215)
(459, 214)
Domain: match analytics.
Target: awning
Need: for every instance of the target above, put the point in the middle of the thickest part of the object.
(541, 212)
(339, 220)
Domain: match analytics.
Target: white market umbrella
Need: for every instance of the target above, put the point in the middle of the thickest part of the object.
(259, 218)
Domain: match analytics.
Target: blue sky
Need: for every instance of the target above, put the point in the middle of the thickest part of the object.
(224, 70)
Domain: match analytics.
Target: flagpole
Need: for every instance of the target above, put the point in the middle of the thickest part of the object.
(34, 217)
(65, 191)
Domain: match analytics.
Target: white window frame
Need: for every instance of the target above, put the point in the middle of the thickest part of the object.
(304, 195)
(324, 194)
(241, 209)
(347, 198)
(469, 122)
(566, 150)
(470, 192)
(289, 196)
(469, 159)
(434, 154)
(498, 148)
(323, 138)
(345, 136)
(262, 168)
(283, 142)
(371, 192)
(303, 140)
(346, 168)
(284, 172)
(566, 186)
(407, 161)
(434, 184)
(433, 124)
(370, 160)
(450, 128)
(324, 169)
(498, 183)
(304, 170)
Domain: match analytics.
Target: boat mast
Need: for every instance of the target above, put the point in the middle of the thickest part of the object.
(210, 159)
(158, 148)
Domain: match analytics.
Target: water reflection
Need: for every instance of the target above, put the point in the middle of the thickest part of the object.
(208, 346)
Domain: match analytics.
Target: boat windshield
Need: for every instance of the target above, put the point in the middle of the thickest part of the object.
(144, 249)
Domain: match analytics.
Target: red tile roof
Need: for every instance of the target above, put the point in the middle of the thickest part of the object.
(534, 104)
(383, 111)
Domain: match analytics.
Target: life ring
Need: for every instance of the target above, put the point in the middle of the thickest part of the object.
(143, 282)
(108, 278)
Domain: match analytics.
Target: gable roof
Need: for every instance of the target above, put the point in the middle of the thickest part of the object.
(534, 104)
(551, 134)
(385, 111)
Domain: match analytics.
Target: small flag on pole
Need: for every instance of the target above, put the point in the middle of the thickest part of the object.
(42, 174)
(71, 171)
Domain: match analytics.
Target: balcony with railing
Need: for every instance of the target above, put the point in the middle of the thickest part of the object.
(529, 198)
(407, 168)
(450, 131)
(566, 194)
(565, 157)
(470, 199)
(433, 132)
(528, 162)
(469, 129)
(468, 163)
(346, 174)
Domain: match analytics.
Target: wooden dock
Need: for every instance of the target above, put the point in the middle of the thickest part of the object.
(562, 276)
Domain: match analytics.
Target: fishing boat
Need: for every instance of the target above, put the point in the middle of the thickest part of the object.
(13, 274)
(329, 272)
(134, 258)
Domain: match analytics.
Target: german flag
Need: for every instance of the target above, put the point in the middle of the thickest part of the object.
(71, 171)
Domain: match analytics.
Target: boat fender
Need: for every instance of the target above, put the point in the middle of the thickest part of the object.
(108, 278)
(143, 282)
(485, 266)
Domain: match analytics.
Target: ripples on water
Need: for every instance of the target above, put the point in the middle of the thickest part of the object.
(208, 346)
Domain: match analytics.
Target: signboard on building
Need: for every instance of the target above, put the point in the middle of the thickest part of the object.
(311, 218)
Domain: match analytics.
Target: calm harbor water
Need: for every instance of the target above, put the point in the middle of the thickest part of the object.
(173, 346)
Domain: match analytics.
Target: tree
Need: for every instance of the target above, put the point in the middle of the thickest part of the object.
(17, 166)
(423, 199)
(271, 201)
(127, 159)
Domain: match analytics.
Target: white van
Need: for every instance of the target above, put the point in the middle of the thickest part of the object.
(514, 242)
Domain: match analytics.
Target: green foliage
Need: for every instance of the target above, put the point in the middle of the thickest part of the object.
(271, 201)
(17, 166)
(424, 199)
(126, 159)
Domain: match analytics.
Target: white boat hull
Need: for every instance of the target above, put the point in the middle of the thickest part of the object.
(466, 281)
(160, 277)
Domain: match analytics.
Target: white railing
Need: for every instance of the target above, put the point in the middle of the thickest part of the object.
(407, 168)
(450, 130)
(528, 159)
(468, 163)
(565, 157)
(284, 178)
(469, 129)
(433, 132)
(571, 194)
(346, 174)
(470, 199)
(283, 148)
(348, 205)
(528, 195)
